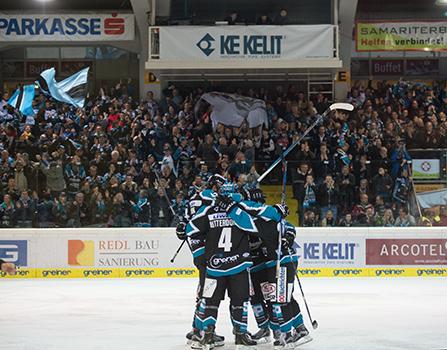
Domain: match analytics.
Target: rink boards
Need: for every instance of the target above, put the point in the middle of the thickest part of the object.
(146, 253)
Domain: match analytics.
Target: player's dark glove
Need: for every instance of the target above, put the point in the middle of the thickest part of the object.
(181, 231)
(225, 203)
(282, 209)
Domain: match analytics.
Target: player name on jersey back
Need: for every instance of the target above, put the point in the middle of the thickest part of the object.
(220, 220)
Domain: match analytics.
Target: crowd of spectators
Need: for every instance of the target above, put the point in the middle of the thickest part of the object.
(121, 162)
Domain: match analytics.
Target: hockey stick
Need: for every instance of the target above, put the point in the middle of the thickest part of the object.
(313, 322)
(332, 107)
(283, 202)
(178, 250)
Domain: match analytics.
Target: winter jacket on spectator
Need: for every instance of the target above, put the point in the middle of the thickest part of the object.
(142, 210)
(7, 213)
(75, 173)
(382, 184)
(78, 212)
(328, 195)
(45, 213)
(60, 211)
(346, 185)
(54, 175)
(99, 211)
(25, 209)
(161, 213)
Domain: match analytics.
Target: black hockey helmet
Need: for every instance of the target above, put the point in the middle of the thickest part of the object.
(216, 180)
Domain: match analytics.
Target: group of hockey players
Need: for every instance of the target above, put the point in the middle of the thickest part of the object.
(244, 248)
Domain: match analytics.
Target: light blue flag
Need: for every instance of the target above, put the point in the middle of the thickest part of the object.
(71, 90)
(22, 99)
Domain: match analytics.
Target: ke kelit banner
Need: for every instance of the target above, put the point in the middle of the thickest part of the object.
(401, 36)
(330, 250)
(246, 42)
(426, 169)
(406, 251)
(67, 27)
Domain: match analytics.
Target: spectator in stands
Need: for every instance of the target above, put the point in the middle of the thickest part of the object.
(346, 186)
(60, 210)
(359, 210)
(78, 213)
(233, 18)
(7, 212)
(328, 197)
(25, 208)
(310, 219)
(121, 212)
(282, 18)
(385, 220)
(328, 220)
(264, 19)
(346, 221)
(442, 216)
(404, 219)
(382, 184)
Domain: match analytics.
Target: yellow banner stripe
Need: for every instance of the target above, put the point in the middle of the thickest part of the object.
(191, 272)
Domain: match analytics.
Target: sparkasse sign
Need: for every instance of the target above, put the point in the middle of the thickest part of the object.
(67, 27)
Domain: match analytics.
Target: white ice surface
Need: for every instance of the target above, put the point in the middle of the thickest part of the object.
(109, 314)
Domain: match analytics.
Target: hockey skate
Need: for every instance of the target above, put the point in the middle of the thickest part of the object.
(243, 341)
(262, 336)
(301, 336)
(206, 342)
(219, 340)
(194, 333)
(285, 341)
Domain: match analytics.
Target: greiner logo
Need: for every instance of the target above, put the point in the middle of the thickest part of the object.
(56, 273)
(347, 272)
(389, 272)
(130, 273)
(217, 261)
(307, 272)
(185, 272)
(431, 272)
(97, 273)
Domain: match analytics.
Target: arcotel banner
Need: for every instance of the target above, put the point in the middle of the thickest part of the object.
(246, 42)
(67, 27)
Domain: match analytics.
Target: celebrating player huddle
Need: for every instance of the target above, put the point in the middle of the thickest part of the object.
(244, 248)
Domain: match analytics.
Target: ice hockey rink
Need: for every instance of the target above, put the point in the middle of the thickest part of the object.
(146, 314)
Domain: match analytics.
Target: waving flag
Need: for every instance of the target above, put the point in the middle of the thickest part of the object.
(71, 90)
(22, 99)
(233, 110)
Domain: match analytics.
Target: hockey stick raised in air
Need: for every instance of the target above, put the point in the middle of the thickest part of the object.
(332, 107)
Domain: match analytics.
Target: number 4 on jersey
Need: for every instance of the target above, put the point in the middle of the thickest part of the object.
(225, 240)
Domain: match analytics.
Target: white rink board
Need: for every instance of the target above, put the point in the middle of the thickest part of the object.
(323, 252)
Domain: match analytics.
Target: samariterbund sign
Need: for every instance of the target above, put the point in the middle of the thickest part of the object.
(406, 251)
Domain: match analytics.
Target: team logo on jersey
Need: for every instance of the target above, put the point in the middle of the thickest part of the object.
(268, 291)
(81, 253)
(217, 261)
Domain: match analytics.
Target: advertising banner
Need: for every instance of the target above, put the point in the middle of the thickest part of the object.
(426, 169)
(67, 27)
(330, 251)
(146, 253)
(246, 42)
(422, 67)
(401, 36)
(387, 67)
(406, 251)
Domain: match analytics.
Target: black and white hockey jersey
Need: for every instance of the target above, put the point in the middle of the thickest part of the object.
(227, 249)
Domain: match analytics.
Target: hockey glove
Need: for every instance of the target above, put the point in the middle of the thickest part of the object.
(181, 231)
